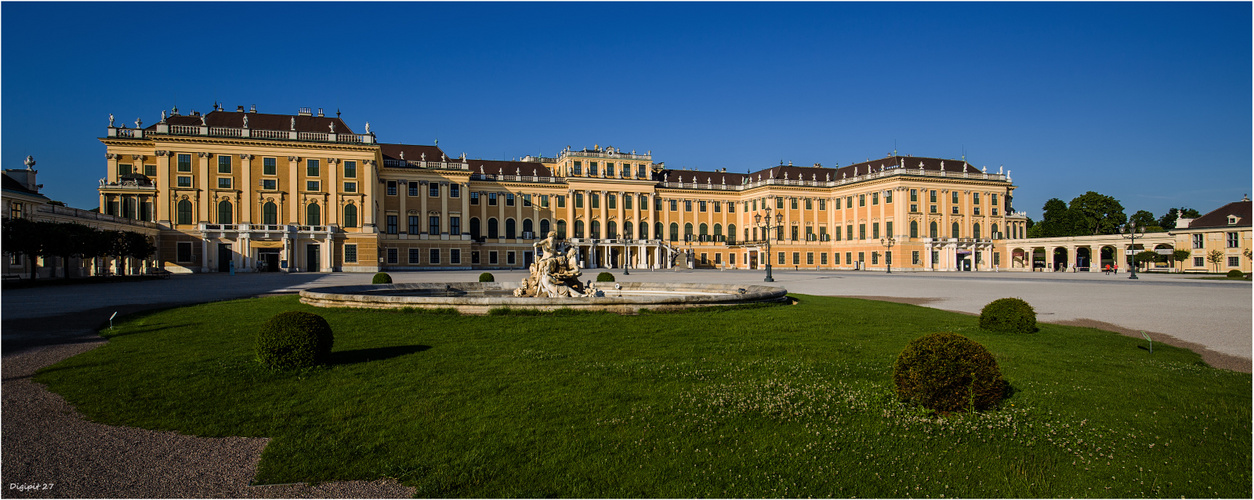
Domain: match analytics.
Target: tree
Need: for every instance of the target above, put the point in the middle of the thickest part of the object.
(1179, 255)
(1055, 220)
(24, 237)
(1215, 257)
(1144, 257)
(1168, 220)
(1145, 220)
(1096, 213)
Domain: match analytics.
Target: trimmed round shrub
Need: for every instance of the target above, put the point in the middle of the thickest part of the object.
(947, 372)
(1236, 273)
(294, 339)
(487, 278)
(605, 276)
(1008, 315)
(381, 278)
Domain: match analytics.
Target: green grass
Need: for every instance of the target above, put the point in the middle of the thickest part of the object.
(783, 401)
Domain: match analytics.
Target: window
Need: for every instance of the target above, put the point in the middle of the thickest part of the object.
(862, 200)
(914, 257)
(433, 190)
(639, 170)
(184, 212)
(492, 199)
(454, 225)
(390, 227)
(185, 181)
(848, 258)
(954, 209)
(1234, 262)
(849, 232)
(888, 196)
(611, 201)
(953, 197)
(433, 224)
(509, 258)
(875, 198)
(578, 168)
(185, 163)
(312, 185)
(674, 233)
(794, 232)
(312, 167)
(494, 228)
(455, 256)
(796, 258)
(350, 215)
(781, 258)
(561, 228)
(224, 164)
(687, 205)
(509, 200)
(413, 189)
(350, 187)
(474, 198)
(779, 203)
(975, 231)
(932, 231)
(578, 200)
(592, 168)
(674, 205)
(412, 225)
(993, 201)
(914, 195)
(888, 229)
(414, 256)
(932, 196)
(150, 170)
(1198, 262)
(933, 209)
(392, 257)
(526, 200)
(701, 205)
(434, 255)
(474, 257)
(492, 258)
(474, 228)
(822, 259)
(350, 169)
(313, 215)
(1234, 240)
(875, 230)
(862, 231)
(861, 257)
(224, 183)
(875, 257)
(561, 201)
(792, 203)
(183, 251)
(975, 198)
(350, 253)
(455, 191)
(627, 201)
(609, 170)
(391, 188)
(544, 201)
(914, 229)
(954, 232)
(1198, 241)
(270, 213)
(224, 212)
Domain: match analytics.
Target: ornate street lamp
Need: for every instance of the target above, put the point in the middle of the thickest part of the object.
(888, 255)
(1130, 231)
(766, 224)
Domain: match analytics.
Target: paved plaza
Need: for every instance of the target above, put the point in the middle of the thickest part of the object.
(46, 442)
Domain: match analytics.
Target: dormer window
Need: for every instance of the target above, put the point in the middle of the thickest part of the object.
(1232, 220)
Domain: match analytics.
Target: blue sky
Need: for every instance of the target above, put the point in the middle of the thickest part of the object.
(1146, 102)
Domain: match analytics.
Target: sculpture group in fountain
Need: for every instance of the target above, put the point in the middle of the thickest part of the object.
(555, 273)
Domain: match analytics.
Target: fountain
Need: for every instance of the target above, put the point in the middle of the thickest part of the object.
(553, 283)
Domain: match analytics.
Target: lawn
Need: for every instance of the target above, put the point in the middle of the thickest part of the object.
(773, 401)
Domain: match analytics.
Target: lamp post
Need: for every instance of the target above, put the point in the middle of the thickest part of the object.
(1130, 231)
(888, 255)
(766, 224)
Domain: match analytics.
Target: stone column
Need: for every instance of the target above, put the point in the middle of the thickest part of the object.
(165, 184)
(206, 188)
(246, 167)
(294, 177)
(370, 202)
(444, 215)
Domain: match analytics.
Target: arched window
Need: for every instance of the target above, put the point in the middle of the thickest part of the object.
(954, 233)
(510, 227)
(975, 231)
(687, 231)
(529, 227)
(644, 230)
(657, 231)
(313, 215)
(350, 215)
(718, 232)
(932, 231)
(578, 229)
(704, 231)
(594, 229)
(474, 228)
(544, 228)
(494, 228)
(611, 229)
(914, 229)
(185, 212)
(993, 231)
(270, 213)
(675, 231)
(561, 229)
(224, 212)
(627, 227)
(731, 232)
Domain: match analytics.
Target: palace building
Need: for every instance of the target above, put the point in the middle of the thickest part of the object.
(303, 192)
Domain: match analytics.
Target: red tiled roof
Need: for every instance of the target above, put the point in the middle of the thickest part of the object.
(498, 167)
(262, 121)
(411, 152)
(1219, 216)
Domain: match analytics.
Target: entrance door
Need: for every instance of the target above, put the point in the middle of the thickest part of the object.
(313, 261)
(269, 260)
(224, 257)
(753, 259)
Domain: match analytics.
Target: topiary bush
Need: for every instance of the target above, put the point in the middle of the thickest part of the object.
(605, 276)
(294, 339)
(381, 278)
(947, 372)
(487, 278)
(1008, 315)
(1236, 273)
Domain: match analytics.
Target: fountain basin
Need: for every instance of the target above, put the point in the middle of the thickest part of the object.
(479, 298)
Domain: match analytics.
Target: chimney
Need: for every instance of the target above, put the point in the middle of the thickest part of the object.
(239, 109)
(253, 109)
(304, 112)
(319, 112)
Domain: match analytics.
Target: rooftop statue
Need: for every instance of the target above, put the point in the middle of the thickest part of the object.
(110, 119)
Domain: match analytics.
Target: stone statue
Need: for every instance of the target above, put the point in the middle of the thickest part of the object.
(367, 127)
(163, 116)
(402, 155)
(332, 127)
(110, 119)
(293, 123)
(245, 121)
(139, 123)
(202, 121)
(555, 273)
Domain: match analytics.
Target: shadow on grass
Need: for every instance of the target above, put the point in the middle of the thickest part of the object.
(374, 354)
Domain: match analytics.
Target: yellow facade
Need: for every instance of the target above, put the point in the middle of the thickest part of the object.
(316, 196)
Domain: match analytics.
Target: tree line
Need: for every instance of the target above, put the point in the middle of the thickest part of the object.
(1095, 213)
(67, 240)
